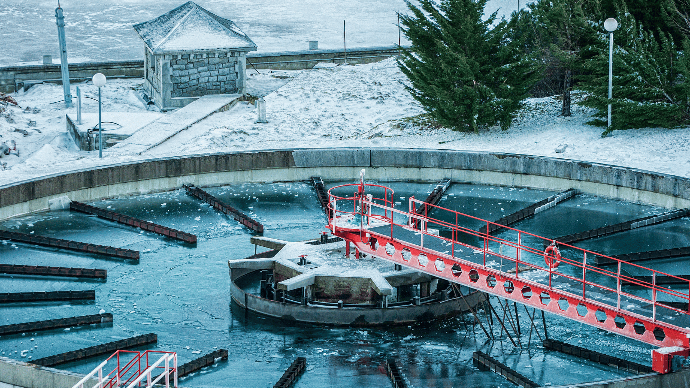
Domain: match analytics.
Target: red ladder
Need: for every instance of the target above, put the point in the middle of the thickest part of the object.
(504, 266)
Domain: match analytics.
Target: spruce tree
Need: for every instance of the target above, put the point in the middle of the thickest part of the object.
(564, 29)
(463, 70)
(677, 14)
(650, 79)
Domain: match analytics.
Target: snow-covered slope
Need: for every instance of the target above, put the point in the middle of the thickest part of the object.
(332, 106)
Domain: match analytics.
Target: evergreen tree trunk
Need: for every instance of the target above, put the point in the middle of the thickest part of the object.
(567, 84)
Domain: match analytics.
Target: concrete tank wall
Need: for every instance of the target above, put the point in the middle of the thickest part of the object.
(344, 164)
(680, 379)
(27, 375)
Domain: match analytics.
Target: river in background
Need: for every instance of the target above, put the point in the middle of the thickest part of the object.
(102, 30)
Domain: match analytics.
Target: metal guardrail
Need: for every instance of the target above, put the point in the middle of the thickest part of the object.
(576, 289)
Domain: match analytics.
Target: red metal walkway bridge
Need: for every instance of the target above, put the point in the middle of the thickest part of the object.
(512, 264)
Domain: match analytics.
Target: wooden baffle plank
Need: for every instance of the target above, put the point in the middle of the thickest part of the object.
(394, 374)
(529, 211)
(69, 245)
(645, 256)
(55, 324)
(201, 362)
(37, 270)
(485, 362)
(595, 356)
(435, 196)
(50, 296)
(432, 199)
(97, 350)
(135, 222)
(292, 373)
(623, 226)
(321, 194)
(224, 208)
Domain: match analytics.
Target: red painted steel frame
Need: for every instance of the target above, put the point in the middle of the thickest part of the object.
(528, 292)
(133, 367)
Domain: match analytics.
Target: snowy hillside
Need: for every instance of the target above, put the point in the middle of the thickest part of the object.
(329, 106)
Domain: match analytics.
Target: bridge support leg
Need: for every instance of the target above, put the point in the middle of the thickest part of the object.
(469, 306)
(502, 325)
(517, 319)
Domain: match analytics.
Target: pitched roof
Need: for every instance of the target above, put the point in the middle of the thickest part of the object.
(190, 27)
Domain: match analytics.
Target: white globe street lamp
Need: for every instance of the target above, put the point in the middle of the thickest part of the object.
(610, 25)
(99, 80)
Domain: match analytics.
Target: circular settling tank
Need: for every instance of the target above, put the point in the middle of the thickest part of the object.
(182, 292)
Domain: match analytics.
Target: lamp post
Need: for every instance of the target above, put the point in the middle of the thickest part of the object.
(610, 25)
(99, 80)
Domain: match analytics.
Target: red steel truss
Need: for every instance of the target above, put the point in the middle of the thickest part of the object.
(513, 265)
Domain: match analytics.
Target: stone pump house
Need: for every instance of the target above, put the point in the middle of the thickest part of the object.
(191, 52)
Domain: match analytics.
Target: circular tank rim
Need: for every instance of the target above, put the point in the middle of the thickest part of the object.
(163, 174)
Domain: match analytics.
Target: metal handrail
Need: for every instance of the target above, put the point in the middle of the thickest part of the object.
(119, 373)
(386, 214)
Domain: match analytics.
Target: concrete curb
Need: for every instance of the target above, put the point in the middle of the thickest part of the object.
(27, 375)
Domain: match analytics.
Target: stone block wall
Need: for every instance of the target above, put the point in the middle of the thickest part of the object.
(195, 75)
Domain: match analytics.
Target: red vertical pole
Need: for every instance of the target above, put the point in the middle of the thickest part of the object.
(452, 236)
(618, 286)
(584, 271)
(486, 241)
(654, 296)
(347, 248)
(517, 256)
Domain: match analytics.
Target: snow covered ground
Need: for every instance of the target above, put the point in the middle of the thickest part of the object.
(329, 106)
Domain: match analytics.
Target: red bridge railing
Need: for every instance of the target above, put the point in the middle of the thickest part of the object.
(447, 243)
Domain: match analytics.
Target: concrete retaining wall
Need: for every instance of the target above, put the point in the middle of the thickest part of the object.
(13, 78)
(344, 164)
(85, 141)
(33, 376)
(680, 379)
